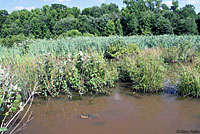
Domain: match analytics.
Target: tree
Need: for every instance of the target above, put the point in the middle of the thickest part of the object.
(135, 6)
(145, 21)
(162, 26)
(129, 22)
(119, 29)
(153, 5)
(3, 16)
(186, 26)
(64, 25)
(110, 28)
(198, 24)
(9, 30)
(188, 11)
(83, 26)
(38, 28)
(173, 18)
(165, 7)
(94, 11)
(175, 5)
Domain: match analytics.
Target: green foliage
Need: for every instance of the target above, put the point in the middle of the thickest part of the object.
(64, 25)
(73, 33)
(186, 26)
(124, 69)
(175, 5)
(145, 71)
(3, 16)
(115, 50)
(138, 17)
(119, 28)
(88, 35)
(189, 82)
(118, 48)
(16, 39)
(93, 69)
(86, 74)
(110, 28)
(185, 53)
(132, 49)
(147, 74)
(10, 97)
(198, 24)
(162, 26)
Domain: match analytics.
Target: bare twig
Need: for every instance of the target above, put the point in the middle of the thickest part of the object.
(15, 117)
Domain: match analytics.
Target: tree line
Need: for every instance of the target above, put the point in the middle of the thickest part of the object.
(138, 17)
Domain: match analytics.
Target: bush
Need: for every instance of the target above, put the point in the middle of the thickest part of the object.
(118, 49)
(95, 72)
(88, 35)
(132, 49)
(115, 50)
(73, 33)
(15, 39)
(85, 74)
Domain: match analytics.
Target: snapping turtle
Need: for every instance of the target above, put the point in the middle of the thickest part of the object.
(90, 116)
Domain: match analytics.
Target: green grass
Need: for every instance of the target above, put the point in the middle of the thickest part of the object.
(32, 60)
(71, 46)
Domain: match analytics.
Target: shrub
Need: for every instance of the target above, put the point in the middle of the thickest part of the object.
(94, 71)
(85, 74)
(88, 35)
(118, 49)
(73, 33)
(15, 39)
(132, 49)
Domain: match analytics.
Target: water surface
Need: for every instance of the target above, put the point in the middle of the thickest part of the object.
(120, 113)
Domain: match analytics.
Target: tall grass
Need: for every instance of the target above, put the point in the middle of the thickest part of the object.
(27, 59)
(71, 46)
(189, 82)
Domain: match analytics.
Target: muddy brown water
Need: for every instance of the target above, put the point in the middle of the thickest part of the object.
(120, 113)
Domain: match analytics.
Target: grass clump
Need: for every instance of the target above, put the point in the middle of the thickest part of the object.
(148, 73)
(184, 53)
(145, 71)
(189, 82)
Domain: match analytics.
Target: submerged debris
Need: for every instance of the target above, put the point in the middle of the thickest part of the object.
(89, 116)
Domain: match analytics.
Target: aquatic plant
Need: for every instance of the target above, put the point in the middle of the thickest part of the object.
(189, 85)
(184, 53)
(147, 74)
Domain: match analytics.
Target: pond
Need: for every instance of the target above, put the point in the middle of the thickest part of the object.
(120, 113)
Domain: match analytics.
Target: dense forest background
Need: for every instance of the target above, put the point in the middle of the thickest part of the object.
(138, 17)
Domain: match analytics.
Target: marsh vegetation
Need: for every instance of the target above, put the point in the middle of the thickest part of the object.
(82, 66)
